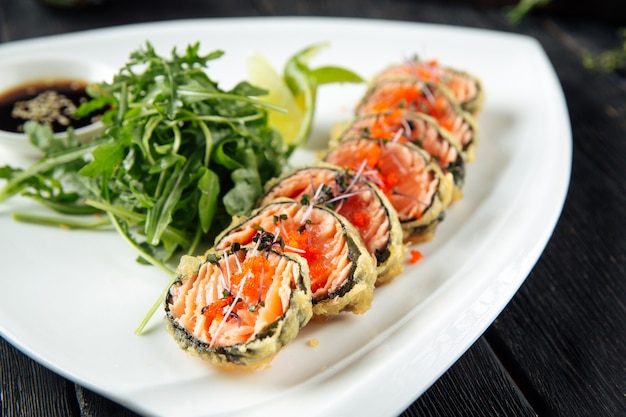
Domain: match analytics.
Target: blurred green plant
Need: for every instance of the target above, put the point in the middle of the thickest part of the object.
(608, 61)
(516, 13)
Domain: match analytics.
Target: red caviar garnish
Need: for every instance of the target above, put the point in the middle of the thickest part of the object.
(261, 271)
(297, 239)
(425, 74)
(317, 269)
(392, 180)
(416, 256)
(441, 104)
(360, 219)
(301, 239)
(382, 105)
(215, 310)
(256, 268)
(379, 130)
(372, 156)
(311, 255)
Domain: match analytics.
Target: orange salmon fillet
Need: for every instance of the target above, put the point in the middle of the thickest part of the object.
(422, 97)
(399, 169)
(258, 287)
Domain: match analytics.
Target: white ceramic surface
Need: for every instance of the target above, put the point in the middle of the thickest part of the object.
(71, 300)
(45, 66)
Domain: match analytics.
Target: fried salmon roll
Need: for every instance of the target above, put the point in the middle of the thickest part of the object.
(240, 307)
(418, 128)
(341, 270)
(358, 200)
(466, 88)
(417, 188)
(423, 97)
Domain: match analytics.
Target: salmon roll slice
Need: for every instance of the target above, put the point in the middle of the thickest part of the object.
(423, 97)
(418, 128)
(341, 270)
(240, 307)
(417, 188)
(465, 87)
(358, 200)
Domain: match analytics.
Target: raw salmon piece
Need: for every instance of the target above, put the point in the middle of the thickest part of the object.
(341, 270)
(417, 128)
(240, 307)
(360, 201)
(417, 188)
(423, 97)
(465, 87)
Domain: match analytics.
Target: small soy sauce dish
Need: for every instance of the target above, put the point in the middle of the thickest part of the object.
(47, 90)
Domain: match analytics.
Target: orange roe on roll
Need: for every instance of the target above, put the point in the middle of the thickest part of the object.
(416, 256)
(215, 310)
(300, 239)
(359, 219)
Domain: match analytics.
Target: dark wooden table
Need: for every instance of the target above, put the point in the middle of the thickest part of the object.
(559, 347)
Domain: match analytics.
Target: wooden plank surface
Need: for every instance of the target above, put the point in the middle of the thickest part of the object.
(559, 348)
(562, 338)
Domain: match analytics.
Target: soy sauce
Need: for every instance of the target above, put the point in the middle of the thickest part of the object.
(31, 101)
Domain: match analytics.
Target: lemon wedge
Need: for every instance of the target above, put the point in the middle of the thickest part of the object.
(262, 74)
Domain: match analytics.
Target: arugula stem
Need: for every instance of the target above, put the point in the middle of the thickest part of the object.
(208, 142)
(40, 166)
(143, 254)
(196, 241)
(225, 120)
(163, 177)
(170, 233)
(118, 211)
(63, 223)
(65, 208)
(521, 9)
(142, 115)
(208, 94)
(177, 138)
(157, 303)
(152, 124)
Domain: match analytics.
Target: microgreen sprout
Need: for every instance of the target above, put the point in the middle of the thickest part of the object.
(302, 228)
(398, 135)
(231, 307)
(426, 90)
(279, 221)
(212, 259)
(265, 241)
(261, 279)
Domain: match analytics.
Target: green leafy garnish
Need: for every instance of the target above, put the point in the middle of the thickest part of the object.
(516, 13)
(610, 60)
(178, 157)
(303, 81)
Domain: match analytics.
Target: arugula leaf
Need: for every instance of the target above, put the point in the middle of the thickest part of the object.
(241, 199)
(106, 158)
(177, 153)
(177, 158)
(209, 187)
